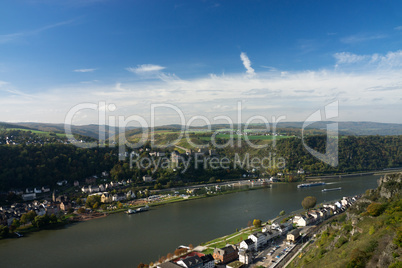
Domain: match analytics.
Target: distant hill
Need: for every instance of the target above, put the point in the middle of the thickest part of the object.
(345, 128)
(352, 128)
(84, 130)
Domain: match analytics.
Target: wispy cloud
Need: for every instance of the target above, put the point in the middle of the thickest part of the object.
(84, 70)
(346, 57)
(247, 64)
(5, 38)
(145, 68)
(390, 60)
(358, 38)
(398, 28)
(294, 94)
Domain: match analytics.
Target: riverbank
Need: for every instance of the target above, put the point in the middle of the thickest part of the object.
(177, 199)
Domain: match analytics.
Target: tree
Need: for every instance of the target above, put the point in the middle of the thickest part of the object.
(16, 223)
(282, 213)
(4, 231)
(375, 209)
(309, 202)
(92, 200)
(24, 219)
(119, 205)
(257, 223)
(81, 210)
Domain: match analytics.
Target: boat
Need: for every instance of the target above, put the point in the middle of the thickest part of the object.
(332, 189)
(138, 210)
(310, 184)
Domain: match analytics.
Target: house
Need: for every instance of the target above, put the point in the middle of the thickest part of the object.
(274, 179)
(282, 228)
(37, 190)
(160, 154)
(130, 195)
(85, 189)
(245, 256)
(106, 198)
(102, 188)
(191, 262)
(247, 244)
(208, 261)
(64, 206)
(118, 197)
(45, 189)
(30, 196)
(105, 174)
(226, 254)
(76, 183)
(259, 239)
(93, 188)
(168, 264)
(29, 190)
(147, 178)
(300, 220)
(293, 235)
(61, 183)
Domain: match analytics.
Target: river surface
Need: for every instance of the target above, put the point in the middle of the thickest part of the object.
(121, 240)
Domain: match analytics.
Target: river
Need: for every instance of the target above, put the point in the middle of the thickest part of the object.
(126, 240)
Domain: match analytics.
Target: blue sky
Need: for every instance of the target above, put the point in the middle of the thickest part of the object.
(286, 58)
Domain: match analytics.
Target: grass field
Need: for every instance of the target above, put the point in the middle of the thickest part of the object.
(44, 133)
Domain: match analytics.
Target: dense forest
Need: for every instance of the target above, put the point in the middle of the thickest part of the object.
(38, 165)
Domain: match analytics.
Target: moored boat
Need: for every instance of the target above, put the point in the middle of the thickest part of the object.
(310, 184)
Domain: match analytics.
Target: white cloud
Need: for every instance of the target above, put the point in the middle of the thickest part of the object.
(398, 28)
(145, 68)
(346, 57)
(84, 70)
(293, 94)
(5, 38)
(358, 38)
(247, 64)
(392, 59)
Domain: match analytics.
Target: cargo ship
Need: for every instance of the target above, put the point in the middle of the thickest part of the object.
(304, 185)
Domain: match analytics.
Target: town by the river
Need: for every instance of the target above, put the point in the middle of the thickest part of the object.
(125, 240)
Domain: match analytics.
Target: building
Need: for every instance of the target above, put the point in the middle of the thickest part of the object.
(208, 261)
(191, 262)
(226, 254)
(168, 265)
(147, 178)
(293, 235)
(30, 196)
(106, 198)
(245, 256)
(64, 206)
(259, 239)
(247, 244)
(300, 220)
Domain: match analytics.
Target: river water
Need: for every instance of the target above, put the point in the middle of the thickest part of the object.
(126, 240)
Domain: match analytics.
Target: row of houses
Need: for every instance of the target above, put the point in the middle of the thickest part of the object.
(108, 197)
(327, 210)
(89, 189)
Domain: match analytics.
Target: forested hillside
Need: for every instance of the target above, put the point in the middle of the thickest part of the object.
(37, 165)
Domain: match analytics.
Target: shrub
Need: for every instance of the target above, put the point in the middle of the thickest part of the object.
(375, 209)
(342, 240)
